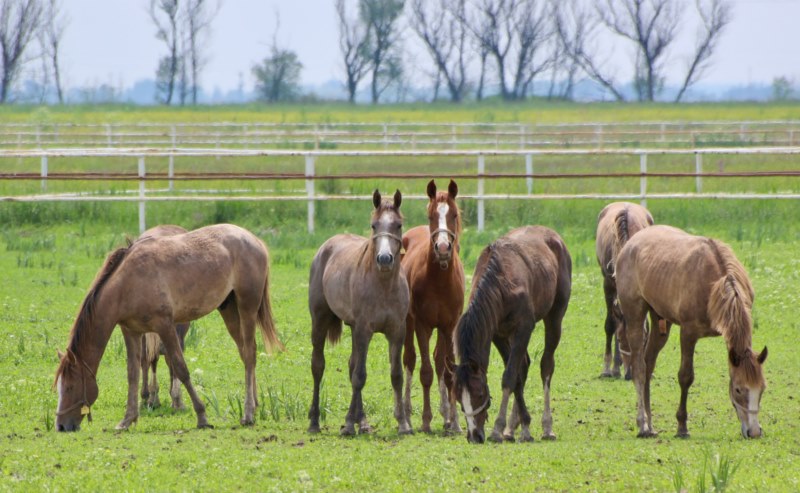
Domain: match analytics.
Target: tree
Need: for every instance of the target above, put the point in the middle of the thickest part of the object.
(278, 76)
(381, 18)
(714, 17)
(781, 89)
(197, 18)
(353, 43)
(442, 30)
(514, 33)
(164, 14)
(54, 24)
(19, 22)
(573, 25)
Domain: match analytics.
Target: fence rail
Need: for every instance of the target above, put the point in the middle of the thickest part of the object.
(309, 176)
(401, 135)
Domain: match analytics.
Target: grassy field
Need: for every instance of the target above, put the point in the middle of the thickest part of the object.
(49, 254)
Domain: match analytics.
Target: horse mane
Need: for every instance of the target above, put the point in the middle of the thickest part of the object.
(730, 303)
(477, 325)
(86, 314)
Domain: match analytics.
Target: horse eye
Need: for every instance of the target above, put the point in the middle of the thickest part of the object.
(738, 391)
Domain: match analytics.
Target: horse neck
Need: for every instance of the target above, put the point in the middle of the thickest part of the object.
(91, 334)
(476, 330)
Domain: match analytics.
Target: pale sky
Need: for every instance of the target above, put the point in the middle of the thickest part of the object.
(113, 41)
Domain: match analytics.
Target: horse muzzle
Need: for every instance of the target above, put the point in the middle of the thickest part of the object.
(752, 433)
(385, 261)
(68, 425)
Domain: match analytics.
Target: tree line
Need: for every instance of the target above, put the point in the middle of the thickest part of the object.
(472, 49)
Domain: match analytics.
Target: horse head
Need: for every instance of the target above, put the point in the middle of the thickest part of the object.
(76, 385)
(473, 391)
(444, 222)
(746, 388)
(387, 231)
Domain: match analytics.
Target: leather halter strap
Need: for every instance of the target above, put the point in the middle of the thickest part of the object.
(85, 401)
(449, 233)
(744, 409)
(389, 235)
(480, 408)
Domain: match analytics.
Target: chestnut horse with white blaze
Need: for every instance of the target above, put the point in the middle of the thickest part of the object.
(616, 223)
(697, 283)
(520, 279)
(358, 281)
(436, 281)
(155, 283)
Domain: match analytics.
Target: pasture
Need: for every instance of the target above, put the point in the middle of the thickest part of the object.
(49, 254)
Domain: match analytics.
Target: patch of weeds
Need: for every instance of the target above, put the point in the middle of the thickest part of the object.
(212, 401)
(235, 405)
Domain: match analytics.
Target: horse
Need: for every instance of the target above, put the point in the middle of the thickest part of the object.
(520, 279)
(616, 223)
(435, 278)
(151, 285)
(359, 281)
(698, 284)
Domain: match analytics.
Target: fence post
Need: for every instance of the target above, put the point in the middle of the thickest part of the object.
(529, 172)
(44, 173)
(698, 168)
(481, 211)
(142, 222)
(643, 179)
(310, 190)
(171, 170)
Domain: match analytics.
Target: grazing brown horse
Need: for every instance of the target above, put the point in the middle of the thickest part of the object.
(616, 223)
(359, 281)
(697, 283)
(436, 281)
(520, 279)
(153, 284)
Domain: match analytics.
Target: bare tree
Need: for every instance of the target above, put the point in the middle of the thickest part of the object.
(381, 18)
(353, 43)
(164, 14)
(572, 24)
(651, 25)
(54, 23)
(444, 34)
(514, 33)
(19, 22)
(198, 17)
(714, 17)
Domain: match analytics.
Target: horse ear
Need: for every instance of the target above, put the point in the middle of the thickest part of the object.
(733, 357)
(763, 356)
(432, 190)
(60, 354)
(398, 199)
(452, 189)
(376, 198)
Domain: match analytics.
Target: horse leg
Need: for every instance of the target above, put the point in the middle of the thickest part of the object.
(655, 342)
(609, 289)
(133, 346)
(172, 350)
(358, 377)
(175, 387)
(444, 354)
(425, 375)
(145, 364)
(685, 378)
(322, 320)
(504, 348)
(396, 365)
(241, 323)
(409, 362)
(517, 356)
(635, 334)
(153, 401)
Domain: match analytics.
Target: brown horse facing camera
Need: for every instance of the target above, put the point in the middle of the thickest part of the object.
(359, 281)
(697, 283)
(616, 223)
(155, 283)
(520, 279)
(436, 281)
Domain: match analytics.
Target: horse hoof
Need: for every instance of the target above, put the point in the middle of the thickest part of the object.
(122, 426)
(607, 374)
(647, 434)
(313, 429)
(405, 431)
(205, 426)
(347, 431)
(508, 438)
(247, 422)
(551, 437)
(426, 429)
(682, 434)
(527, 439)
(496, 437)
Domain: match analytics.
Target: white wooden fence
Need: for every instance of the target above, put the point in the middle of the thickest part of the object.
(309, 176)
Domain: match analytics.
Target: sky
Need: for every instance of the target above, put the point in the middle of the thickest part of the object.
(113, 42)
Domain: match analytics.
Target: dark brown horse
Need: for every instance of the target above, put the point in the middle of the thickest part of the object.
(436, 281)
(616, 223)
(520, 279)
(155, 283)
(697, 283)
(359, 281)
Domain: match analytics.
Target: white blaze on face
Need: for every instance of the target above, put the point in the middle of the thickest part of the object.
(752, 407)
(384, 242)
(442, 237)
(467, 403)
(60, 391)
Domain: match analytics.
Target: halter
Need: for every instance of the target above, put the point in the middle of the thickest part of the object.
(442, 263)
(389, 235)
(86, 410)
(483, 406)
(744, 409)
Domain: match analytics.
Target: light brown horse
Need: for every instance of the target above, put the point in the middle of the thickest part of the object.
(155, 283)
(359, 281)
(520, 279)
(616, 223)
(697, 283)
(436, 281)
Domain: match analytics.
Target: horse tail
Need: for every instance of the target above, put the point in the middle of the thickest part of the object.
(152, 346)
(266, 320)
(621, 236)
(731, 299)
(334, 333)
